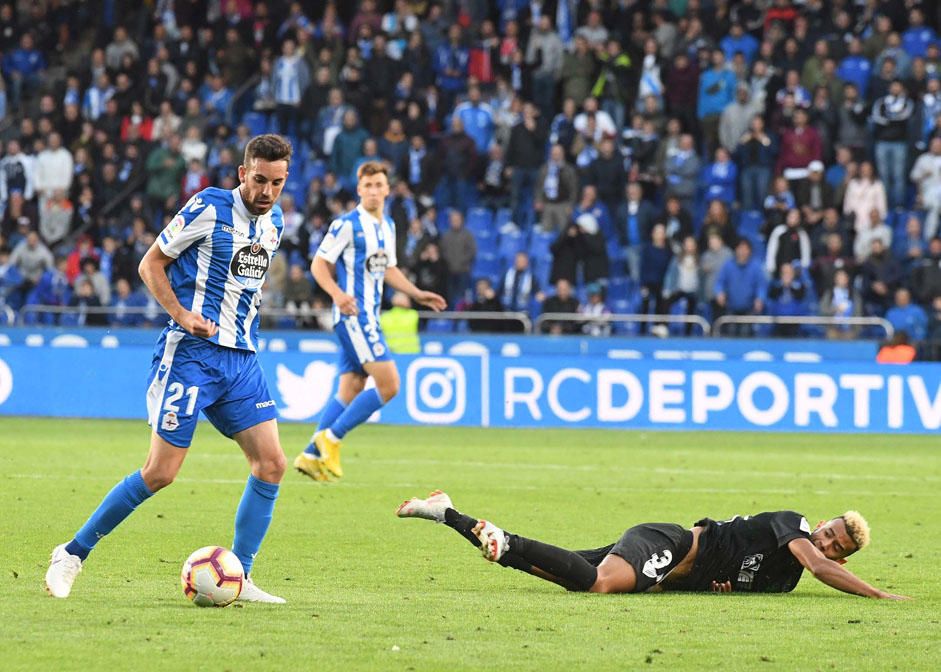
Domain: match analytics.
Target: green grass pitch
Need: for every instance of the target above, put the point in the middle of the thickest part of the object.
(368, 591)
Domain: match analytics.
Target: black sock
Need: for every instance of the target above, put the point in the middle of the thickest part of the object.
(463, 524)
(573, 570)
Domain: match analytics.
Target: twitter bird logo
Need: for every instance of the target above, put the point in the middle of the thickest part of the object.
(303, 397)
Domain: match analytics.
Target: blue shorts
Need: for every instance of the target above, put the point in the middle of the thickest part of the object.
(361, 342)
(189, 375)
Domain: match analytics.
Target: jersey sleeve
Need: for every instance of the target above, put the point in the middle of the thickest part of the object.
(192, 223)
(339, 235)
(788, 525)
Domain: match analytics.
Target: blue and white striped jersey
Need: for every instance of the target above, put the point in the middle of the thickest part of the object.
(222, 254)
(362, 247)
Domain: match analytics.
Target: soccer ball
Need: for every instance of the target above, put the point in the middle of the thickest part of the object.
(212, 577)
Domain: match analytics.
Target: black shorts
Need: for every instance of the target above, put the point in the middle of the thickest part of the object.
(653, 550)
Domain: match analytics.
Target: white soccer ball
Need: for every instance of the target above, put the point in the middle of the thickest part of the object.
(212, 577)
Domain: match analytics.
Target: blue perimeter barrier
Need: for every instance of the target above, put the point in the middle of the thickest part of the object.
(492, 390)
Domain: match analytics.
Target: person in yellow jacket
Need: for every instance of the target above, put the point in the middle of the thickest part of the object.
(400, 326)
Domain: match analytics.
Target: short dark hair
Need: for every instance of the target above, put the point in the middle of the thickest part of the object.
(268, 147)
(371, 168)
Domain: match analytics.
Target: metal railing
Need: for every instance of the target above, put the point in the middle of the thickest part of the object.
(622, 317)
(809, 320)
(268, 314)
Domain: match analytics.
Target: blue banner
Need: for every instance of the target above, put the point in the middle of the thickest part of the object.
(695, 349)
(536, 391)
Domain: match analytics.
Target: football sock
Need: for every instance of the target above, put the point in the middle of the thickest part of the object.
(572, 569)
(252, 519)
(464, 526)
(333, 410)
(365, 404)
(115, 507)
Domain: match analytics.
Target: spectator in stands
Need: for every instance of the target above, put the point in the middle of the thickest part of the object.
(678, 222)
(716, 90)
(556, 191)
(721, 178)
(400, 326)
(126, 305)
(17, 173)
(682, 172)
(934, 328)
(577, 72)
(877, 229)
(595, 308)
(31, 258)
(741, 287)
(24, 68)
(594, 123)
(841, 301)
(456, 160)
(485, 301)
(737, 117)
(787, 295)
(891, 115)
(430, 270)
(718, 220)
(616, 85)
(864, 194)
(800, 146)
(855, 68)
(519, 288)
(788, 243)
(54, 168)
(606, 174)
(682, 88)
(561, 302)
(52, 289)
(451, 61)
(897, 350)
(910, 248)
(165, 167)
(91, 271)
(459, 249)
(347, 148)
(682, 281)
(635, 219)
(524, 156)
(544, 52)
(755, 155)
(829, 261)
(880, 275)
(926, 174)
(653, 269)
(926, 275)
(55, 216)
(298, 295)
(916, 39)
(86, 303)
(11, 281)
(907, 316)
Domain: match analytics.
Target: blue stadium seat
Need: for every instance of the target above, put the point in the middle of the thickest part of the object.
(486, 243)
(256, 121)
(503, 216)
(314, 170)
(439, 326)
(620, 289)
(488, 265)
(441, 220)
(479, 219)
(540, 244)
(510, 244)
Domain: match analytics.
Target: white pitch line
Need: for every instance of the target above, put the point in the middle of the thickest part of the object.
(528, 488)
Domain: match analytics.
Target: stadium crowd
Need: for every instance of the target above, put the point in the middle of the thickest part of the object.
(700, 157)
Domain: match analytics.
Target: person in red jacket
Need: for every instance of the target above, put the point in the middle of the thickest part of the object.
(799, 146)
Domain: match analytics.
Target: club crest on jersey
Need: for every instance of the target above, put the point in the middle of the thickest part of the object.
(377, 263)
(250, 264)
(169, 422)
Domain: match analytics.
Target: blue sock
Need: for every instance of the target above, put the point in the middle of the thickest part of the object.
(115, 507)
(333, 410)
(252, 519)
(365, 404)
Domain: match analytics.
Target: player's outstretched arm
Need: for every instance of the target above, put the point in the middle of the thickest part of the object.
(153, 271)
(323, 272)
(832, 573)
(397, 280)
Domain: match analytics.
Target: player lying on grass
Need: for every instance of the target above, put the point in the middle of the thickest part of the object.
(765, 553)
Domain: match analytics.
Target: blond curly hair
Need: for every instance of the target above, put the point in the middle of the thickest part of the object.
(857, 528)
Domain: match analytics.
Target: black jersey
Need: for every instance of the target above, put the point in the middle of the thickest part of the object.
(749, 551)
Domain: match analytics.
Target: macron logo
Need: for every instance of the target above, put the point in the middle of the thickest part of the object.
(265, 404)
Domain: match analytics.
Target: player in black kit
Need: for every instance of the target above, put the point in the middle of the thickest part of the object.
(764, 553)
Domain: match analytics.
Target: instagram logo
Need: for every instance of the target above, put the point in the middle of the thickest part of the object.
(436, 390)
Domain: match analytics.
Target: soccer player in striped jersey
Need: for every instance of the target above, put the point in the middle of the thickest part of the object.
(354, 259)
(206, 270)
